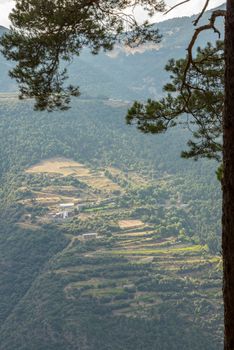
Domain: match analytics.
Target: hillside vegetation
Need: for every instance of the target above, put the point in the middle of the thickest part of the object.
(149, 279)
(108, 239)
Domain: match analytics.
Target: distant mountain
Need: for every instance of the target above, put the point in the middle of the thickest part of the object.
(6, 83)
(2, 29)
(139, 73)
(129, 74)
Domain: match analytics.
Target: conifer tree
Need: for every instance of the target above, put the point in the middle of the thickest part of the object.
(197, 105)
(205, 91)
(228, 181)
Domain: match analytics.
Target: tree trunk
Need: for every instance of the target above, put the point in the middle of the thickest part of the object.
(228, 182)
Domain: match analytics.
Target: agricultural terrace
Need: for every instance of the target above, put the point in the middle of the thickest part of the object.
(134, 264)
(132, 273)
(66, 167)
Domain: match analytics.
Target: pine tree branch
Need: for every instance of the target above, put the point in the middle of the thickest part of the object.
(201, 13)
(209, 26)
(175, 6)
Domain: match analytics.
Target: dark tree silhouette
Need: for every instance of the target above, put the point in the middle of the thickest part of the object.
(211, 110)
(228, 181)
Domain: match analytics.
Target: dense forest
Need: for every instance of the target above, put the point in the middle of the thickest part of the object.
(66, 292)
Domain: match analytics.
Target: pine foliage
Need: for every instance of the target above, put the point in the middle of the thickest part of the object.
(46, 33)
(195, 101)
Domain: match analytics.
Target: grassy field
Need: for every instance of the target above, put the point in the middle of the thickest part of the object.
(68, 167)
(58, 175)
(61, 166)
(130, 224)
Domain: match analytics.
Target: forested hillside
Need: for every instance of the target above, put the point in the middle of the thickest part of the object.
(148, 275)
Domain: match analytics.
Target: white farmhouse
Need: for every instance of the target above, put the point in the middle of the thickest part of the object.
(66, 205)
(65, 214)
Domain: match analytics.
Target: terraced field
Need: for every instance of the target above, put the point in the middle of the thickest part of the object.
(138, 267)
(67, 167)
(136, 271)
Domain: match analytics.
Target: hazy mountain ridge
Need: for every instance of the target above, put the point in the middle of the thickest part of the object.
(140, 75)
(127, 76)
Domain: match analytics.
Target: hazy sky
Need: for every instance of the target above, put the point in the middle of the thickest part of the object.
(184, 10)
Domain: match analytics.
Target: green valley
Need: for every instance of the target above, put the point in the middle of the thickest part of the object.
(108, 239)
(134, 263)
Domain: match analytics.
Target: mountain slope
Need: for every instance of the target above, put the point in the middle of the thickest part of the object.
(151, 277)
(145, 283)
